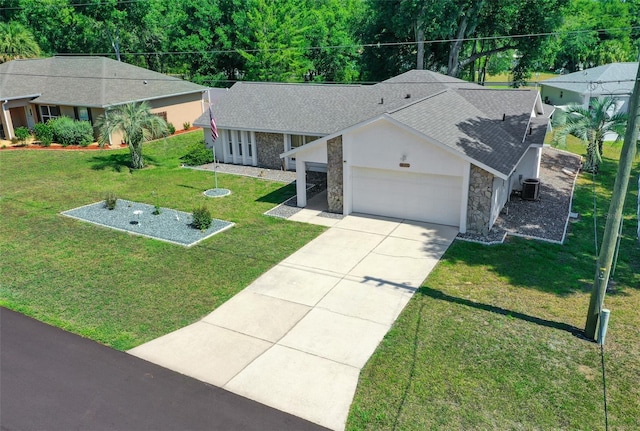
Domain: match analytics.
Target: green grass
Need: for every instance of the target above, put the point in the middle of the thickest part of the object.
(116, 288)
(491, 340)
(506, 77)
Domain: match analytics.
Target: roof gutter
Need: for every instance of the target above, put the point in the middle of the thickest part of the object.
(110, 105)
(27, 96)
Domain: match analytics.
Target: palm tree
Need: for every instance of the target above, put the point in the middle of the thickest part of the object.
(136, 123)
(591, 126)
(16, 42)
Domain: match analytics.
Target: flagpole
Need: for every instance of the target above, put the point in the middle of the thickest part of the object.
(215, 165)
(214, 136)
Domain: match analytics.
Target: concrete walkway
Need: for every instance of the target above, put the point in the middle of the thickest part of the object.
(297, 338)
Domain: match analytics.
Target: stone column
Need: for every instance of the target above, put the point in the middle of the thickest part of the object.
(479, 202)
(335, 172)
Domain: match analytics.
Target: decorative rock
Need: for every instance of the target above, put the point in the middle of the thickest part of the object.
(217, 193)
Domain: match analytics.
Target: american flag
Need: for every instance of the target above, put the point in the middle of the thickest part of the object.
(214, 128)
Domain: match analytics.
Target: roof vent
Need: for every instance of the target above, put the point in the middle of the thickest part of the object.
(504, 117)
(408, 96)
(381, 101)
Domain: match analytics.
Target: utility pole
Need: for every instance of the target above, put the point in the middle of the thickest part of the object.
(614, 216)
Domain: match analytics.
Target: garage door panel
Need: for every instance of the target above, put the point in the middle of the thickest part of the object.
(423, 197)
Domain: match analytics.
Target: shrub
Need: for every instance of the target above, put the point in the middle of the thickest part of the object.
(198, 154)
(44, 133)
(201, 218)
(186, 125)
(156, 210)
(110, 200)
(22, 133)
(171, 128)
(70, 132)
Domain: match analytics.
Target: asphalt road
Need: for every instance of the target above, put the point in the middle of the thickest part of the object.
(52, 380)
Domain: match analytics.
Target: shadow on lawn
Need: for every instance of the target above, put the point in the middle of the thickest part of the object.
(278, 196)
(117, 161)
(558, 269)
(436, 294)
(186, 186)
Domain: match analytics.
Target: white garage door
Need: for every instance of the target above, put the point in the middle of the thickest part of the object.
(422, 197)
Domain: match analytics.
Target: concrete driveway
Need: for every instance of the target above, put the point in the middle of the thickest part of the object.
(297, 338)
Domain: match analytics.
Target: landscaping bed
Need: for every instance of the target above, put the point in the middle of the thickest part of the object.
(137, 218)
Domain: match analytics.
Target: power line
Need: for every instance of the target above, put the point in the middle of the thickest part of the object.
(367, 45)
(171, 78)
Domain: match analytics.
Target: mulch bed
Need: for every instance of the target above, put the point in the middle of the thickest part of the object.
(93, 146)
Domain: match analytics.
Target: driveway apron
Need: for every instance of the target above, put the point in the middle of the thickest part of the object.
(297, 337)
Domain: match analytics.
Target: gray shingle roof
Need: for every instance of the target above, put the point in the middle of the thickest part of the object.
(465, 117)
(309, 109)
(614, 78)
(451, 119)
(87, 81)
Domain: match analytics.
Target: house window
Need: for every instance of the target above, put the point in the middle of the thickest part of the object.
(83, 113)
(49, 112)
(249, 144)
(297, 141)
(239, 143)
(300, 140)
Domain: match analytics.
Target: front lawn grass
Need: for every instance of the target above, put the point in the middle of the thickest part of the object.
(117, 288)
(492, 339)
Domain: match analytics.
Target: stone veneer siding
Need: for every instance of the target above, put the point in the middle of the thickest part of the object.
(269, 147)
(335, 187)
(479, 203)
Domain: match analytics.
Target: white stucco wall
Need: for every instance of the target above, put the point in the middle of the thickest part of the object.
(529, 167)
(314, 153)
(384, 145)
(499, 198)
(553, 94)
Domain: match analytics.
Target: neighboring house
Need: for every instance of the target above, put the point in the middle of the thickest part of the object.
(615, 79)
(420, 146)
(83, 88)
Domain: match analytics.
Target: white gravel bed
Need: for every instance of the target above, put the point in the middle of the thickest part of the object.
(285, 209)
(277, 175)
(137, 218)
(547, 218)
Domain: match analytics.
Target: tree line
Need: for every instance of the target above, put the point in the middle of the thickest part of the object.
(216, 42)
